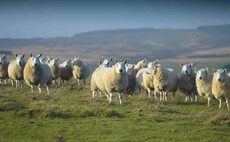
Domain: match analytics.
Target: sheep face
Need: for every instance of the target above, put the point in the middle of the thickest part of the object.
(54, 62)
(202, 74)
(187, 69)
(35, 62)
(66, 64)
(20, 59)
(120, 67)
(77, 62)
(2, 59)
(220, 75)
(106, 62)
(142, 63)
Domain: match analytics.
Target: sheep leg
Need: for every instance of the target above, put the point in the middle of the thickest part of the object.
(121, 98)
(12, 82)
(16, 82)
(93, 94)
(186, 98)
(149, 93)
(32, 88)
(227, 103)
(161, 96)
(78, 83)
(110, 97)
(155, 94)
(174, 96)
(165, 95)
(48, 91)
(39, 88)
(5, 81)
(219, 103)
(195, 98)
(209, 101)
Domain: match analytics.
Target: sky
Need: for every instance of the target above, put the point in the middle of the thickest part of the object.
(52, 18)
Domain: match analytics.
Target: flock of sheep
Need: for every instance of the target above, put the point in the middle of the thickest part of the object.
(113, 76)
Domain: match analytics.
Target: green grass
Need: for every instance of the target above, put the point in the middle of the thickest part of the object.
(69, 114)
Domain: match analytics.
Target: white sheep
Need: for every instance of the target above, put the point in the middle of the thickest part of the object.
(66, 71)
(144, 80)
(110, 80)
(204, 83)
(221, 86)
(37, 73)
(3, 68)
(15, 69)
(54, 66)
(165, 81)
(80, 70)
(187, 82)
(132, 70)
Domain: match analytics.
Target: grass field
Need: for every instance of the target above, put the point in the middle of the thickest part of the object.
(69, 114)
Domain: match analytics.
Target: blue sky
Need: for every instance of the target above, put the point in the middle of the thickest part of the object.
(44, 18)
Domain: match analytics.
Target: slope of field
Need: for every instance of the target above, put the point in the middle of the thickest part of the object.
(132, 43)
(69, 114)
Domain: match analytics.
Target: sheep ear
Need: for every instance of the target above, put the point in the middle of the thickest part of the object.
(133, 66)
(4, 56)
(145, 60)
(23, 55)
(181, 65)
(115, 60)
(111, 59)
(39, 55)
(16, 55)
(191, 64)
(31, 55)
(102, 57)
(196, 69)
(206, 69)
(214, 70)
(156, 61)
(125, 61)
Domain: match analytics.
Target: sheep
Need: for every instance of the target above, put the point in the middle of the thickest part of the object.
(3, 68)
(132, 70)
(204, 83)
(187, 82)
(80, 70)
(221, 86)
(164, 81)
(106, 62)
(110, 80)
(66, 71)
(37, 73)
(15, 69)
(144, 80)
(54, 66)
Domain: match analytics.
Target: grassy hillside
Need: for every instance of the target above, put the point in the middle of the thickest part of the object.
(132, 43)
(69, 114)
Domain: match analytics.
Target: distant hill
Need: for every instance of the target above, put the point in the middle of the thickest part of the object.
(132, 43)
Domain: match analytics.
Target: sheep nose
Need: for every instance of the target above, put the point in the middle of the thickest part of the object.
(200, 78)
(120, 70)
(20, 63)
(35, 64)
(219, 79)
(186, 72)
